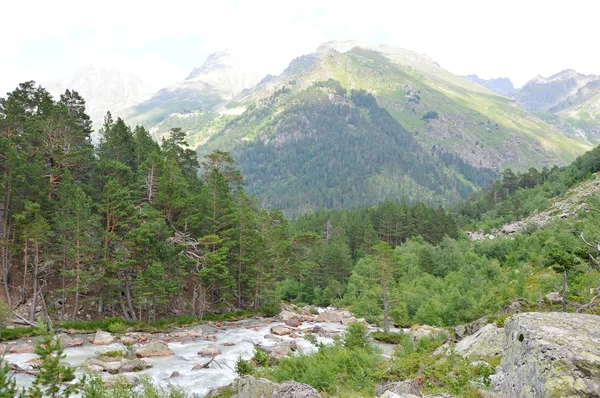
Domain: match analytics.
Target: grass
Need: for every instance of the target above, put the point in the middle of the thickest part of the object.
(118, 325)
(390, 338)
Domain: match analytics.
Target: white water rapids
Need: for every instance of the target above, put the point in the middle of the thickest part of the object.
(244, 335)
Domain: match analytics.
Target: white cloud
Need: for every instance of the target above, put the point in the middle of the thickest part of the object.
(162, 41)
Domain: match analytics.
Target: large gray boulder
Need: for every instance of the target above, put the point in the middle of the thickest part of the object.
(486, 342)
(153, 349)
(103, 338)
(250, 387)
(550, 355)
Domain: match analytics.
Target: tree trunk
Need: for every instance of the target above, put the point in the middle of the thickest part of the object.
(25, 262)
(129, 300)
(564, 292)
(4, 220)
(386, 321)
(77, 278)
(36, 260)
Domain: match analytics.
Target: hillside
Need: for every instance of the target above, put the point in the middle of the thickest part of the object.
(303, 142)
(500, 85)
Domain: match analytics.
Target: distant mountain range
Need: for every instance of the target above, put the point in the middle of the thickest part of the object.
(353, 124)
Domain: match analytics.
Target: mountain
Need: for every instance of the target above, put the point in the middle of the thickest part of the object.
(500, 85)
(540, 94)
(223, 75)
(352, 124)
(104, 89)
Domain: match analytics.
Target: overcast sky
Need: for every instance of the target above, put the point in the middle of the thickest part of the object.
(45, 40)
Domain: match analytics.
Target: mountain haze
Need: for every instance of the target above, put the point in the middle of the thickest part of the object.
(500, 85)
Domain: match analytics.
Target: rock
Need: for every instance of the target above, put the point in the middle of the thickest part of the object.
(174, 374)
(293, 323)
(486, 342)
(202, 365)
(399, 388)
(418, 332)
(280, 351)
(103, 338)
(510, 229)
(280, 330)
(250, 387)
(317, 330)
(329, 317)
(554, 298)
(114, 365)
(210, 351)
(153, 349)
(288, 315)
(128, 340)
(24, 348)
(68, 341)
(550, 355)
(389, 394)
(349, 320)
(229, 344)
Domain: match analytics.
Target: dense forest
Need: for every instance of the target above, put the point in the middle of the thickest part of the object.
(326, 148)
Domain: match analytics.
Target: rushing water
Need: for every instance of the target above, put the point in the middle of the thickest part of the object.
(244, 336)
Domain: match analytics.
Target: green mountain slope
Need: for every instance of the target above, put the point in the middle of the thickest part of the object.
(320, 147)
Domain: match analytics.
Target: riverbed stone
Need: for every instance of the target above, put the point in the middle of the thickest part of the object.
(210, 351)
(420, 331)
(280, 330)
(550, 355)
(103, 338)
(153, 349)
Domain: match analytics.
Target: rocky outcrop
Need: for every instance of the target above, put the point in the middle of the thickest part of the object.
(418, 332)
(153, 349)
(486, 342)
(103, 338)
(114, 365)
(250, 387)
(550, 355)
(462, 331)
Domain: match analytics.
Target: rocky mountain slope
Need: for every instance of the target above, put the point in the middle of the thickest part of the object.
(223, 75)
(500, 85)
(103, 90)
(303, 134)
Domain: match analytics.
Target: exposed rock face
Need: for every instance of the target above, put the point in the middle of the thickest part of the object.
(153, 349)
(103, 338)
(419, 332)
(250, 387)
(486, 342)
(550, 355)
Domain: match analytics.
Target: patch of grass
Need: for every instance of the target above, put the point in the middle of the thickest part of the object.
(114, 354)
(261, 356)
(390, 338)
(17, 333)
(117, 328)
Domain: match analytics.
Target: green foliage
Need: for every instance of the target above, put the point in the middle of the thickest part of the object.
(120, 387)
(261, 356)
(117, 328)
(430, 115)
(8, 387)
(242, 367)
(357, 337)
(390, 338)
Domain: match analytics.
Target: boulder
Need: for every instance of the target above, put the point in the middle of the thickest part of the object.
(293, 323)
(250, 387)
(409, 387)
(174, 374)
(128, 340)
(289, 315)
(68, 341)
(280, 330)
(202, 365)
(347, 321)
(510, 229)
(329, 317)
(550, 355)
(103, 338)
(153, 349)
(486, 342)
(554, 298)
(114, 365)
(276, 353)
(419, 331)
(210, 351)
(25, 348)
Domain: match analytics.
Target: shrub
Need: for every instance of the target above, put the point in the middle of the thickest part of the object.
(261, 356)
(390, 338)
(242, 367)
(117, 328)
(270, 310)
(357, 336)
(430, 115)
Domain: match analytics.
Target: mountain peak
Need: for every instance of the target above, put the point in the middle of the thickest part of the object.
(218, 60)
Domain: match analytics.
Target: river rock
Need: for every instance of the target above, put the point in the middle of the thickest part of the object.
(293, 323)
(174, 374)
(554, 298)
(68, 341)
(25, 348)
(486, 342)
(210, 351)
(280, 330)
(103, 338)
(114, 365)
(550, 355)
(153, 349)
(329, 317)
(289, 315)
(128, 340)
(420, 331)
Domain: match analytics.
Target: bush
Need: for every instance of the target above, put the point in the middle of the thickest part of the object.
(270, 310)
(261, 356)
(390, 338)
(117, 328)
(430, 115)
(242, 367)
(357, 336)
